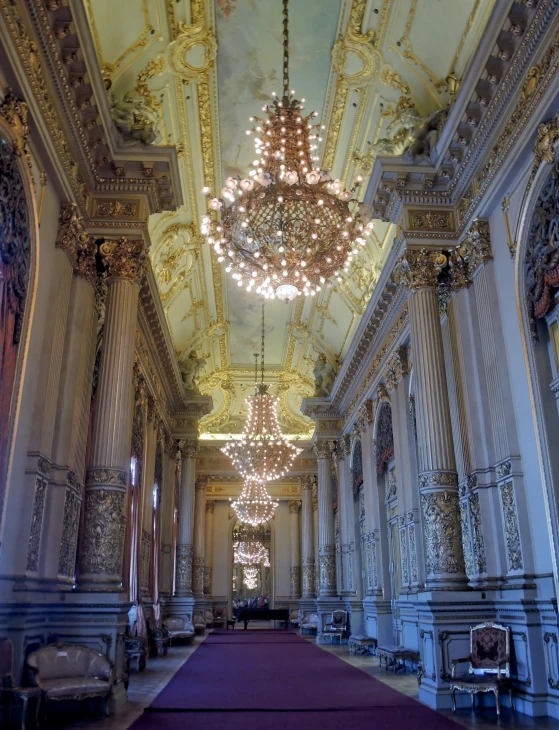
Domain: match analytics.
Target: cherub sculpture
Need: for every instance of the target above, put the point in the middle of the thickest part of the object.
(191, 369)
(323, 377)
(134, 118)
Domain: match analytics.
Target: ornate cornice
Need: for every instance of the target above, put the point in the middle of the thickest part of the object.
(125, 258)
(86, 265)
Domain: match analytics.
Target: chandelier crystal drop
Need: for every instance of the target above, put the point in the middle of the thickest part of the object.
(250, 577)
(287, 228)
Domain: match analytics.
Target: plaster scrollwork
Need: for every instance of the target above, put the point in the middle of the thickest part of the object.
(544, 149)
(392, 486)
(69, 538)
(103, 532)
(86, 265)
(503, 469)
(34, 542)
(125, 258)
(184, 568)
(109, 477)
(308, 577)
(413, 554)
(207, 581)
(419, 269)
(188, 448)
(210, 506)
(510, 523)
(398, 367)
(295, 581)
(15, 111)
(194, 52)
(294, 506)
(355, 59)
(478, 543)
(198, 568)
(135, 118)
(404, 555)
(475, 248)
(327, 568)
(466, 538)
(201, 482)
(324, 376)
(324, 449)
(364, 416)
(384, 438)
(443, 539)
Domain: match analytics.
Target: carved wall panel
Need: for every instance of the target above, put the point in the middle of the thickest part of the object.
(510, 525)
(69, 539)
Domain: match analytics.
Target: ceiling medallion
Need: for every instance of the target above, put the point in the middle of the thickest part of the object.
(287, 228)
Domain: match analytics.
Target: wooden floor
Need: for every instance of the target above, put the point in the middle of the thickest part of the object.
(144, 688)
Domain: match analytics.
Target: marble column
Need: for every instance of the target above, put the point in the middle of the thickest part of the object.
(307, 538)
(438, 480)
(295, 538)
(167, 519)
(64, 498)
(199, 535)
(104, 520)
(209, 549)
(316, 587)
(183, 581)
(326, 535)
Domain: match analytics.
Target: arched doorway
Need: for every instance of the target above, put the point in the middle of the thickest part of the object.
(251, 580)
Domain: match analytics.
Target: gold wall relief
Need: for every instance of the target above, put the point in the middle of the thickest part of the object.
(431, 220)
(194, 52)
(128, 209)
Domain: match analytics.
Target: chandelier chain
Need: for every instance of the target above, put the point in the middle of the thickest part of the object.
(285, 49)
(262, 346)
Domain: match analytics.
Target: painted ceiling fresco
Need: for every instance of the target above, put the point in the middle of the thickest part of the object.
(203, 67)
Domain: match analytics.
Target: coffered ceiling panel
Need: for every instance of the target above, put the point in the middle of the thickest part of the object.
(198, 69)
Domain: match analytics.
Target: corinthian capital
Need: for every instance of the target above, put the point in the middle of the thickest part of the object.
(307, 481)
(86, 266)
(294, 506)
(323, 449)
(125, 259)
(71, 234)
(419, 269)
(475, 248)
(188, 448)
(201, 482)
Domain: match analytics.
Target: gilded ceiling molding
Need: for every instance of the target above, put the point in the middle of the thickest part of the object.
(186, 49)
(14, 112)
(86, 264)
(475, 248)
(71, 233)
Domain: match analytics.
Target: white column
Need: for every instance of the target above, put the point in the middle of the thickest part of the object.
(183, 584)
(438, 479)
(294, 532)
(209, 549)
(326, 535)
(307, 538)
(102, 542)
(199, 536)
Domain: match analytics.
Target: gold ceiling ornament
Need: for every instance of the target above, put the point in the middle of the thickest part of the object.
(288, 228)
(194, 52)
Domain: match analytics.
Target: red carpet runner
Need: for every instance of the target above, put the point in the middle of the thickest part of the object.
(274, 680)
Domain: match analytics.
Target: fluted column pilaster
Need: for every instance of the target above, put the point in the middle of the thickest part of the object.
(102, 543)
(199, 536)
(209, 549)
(326, 534)
(167, 520)
(295, 538)
(438, 481)
(183, 582)
(307, 538)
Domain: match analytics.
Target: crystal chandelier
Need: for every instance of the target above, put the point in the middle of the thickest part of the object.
(254, 505)
(251, 553)
(287, 228)
(262, 454)
(250, 577)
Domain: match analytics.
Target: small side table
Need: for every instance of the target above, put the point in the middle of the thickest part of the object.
(230, 623)
(395, 657)
(362, 645)
(24, 694)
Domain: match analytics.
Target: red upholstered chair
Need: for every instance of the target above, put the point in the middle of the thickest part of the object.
(489, 664)
(11, 693)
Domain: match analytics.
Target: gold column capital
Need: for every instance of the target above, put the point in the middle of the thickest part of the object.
(188, 448)
(475, 247)
(71, 234)
(419, 268)
(307, 482)
(294, 505)
(201, 482)
(324, 449)
(86, 265)
(125, 258)
(210, 506)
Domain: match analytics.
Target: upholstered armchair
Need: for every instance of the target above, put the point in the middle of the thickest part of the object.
(70, 672)
(219, 617)
(199, 622)
(209, 616)
(309, 623)
(489, 664)
(136, 652)
(334, 624)
(179, 628)
(158, 638)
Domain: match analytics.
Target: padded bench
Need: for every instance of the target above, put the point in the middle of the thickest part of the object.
(396, 656)
(362, 645)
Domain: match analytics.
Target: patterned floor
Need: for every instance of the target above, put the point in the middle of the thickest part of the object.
(144, 688)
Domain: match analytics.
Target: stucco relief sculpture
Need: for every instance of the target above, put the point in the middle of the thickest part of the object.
(443, 538)
(412, 136)
(323, 377)
(103, 533)
(327, 567)
(184, 569)
(191, 369)
(134, 117)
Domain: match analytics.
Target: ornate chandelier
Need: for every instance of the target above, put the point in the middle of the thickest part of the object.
(251, 553)
(287, 228)
(254, 505)
(262, 454)
(250, 577)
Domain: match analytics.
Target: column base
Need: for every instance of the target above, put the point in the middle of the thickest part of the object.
(182, 606)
